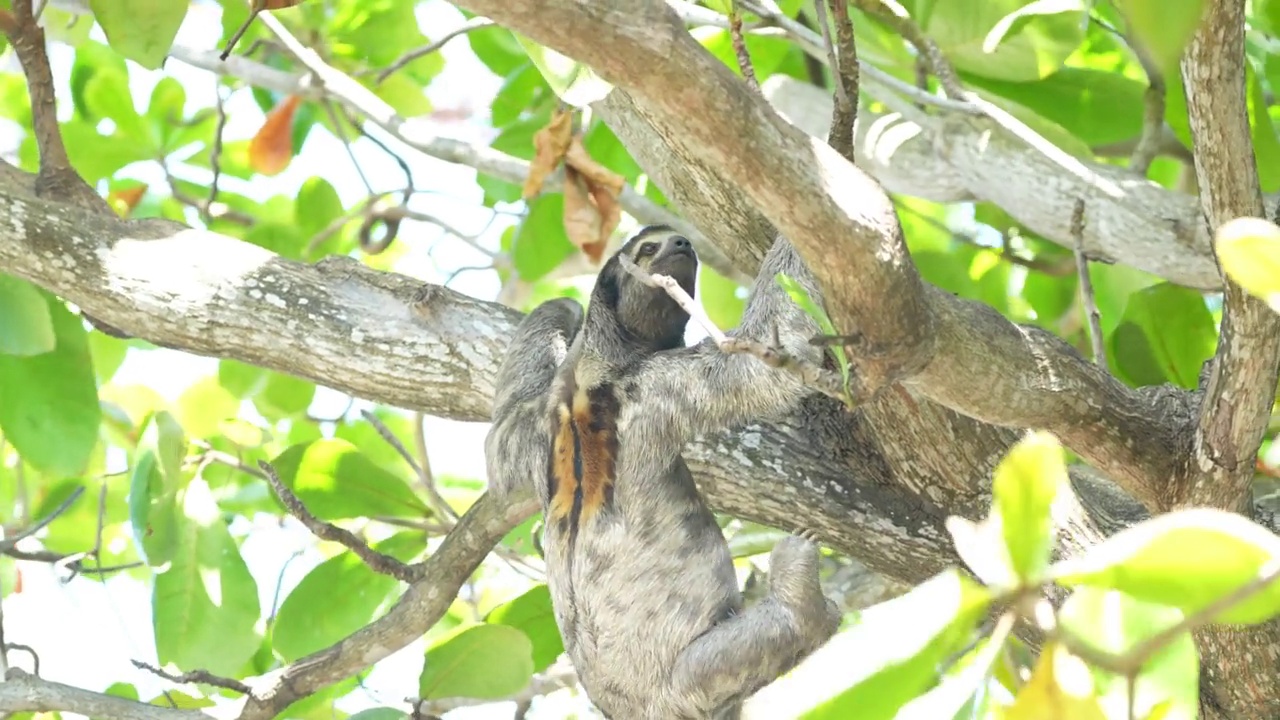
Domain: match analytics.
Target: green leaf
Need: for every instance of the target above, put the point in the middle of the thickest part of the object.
(204, 405)
(1249, 252)
(154, 486)
(96, 157)
(26, 328)
(91, 58)
(338, 597)
(382, 713)
(1097, 106)
(284, 396)
(1266, 146)
(1185, 559)
(540, 240)
(1115, 623)
(108, 355)
(533, 614)
(1165, 334)
(404, 96)
(573, 82)
(241, 379)
(1164, 27)
(49, 407)
(335, 481)
(141, 30)
(1026, 483)
(1033, 48)
(485, 661)
(719, 296)
(108, 96)
(205, 605)
(889, 657)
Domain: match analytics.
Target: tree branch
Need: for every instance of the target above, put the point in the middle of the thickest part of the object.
(1238, 396)
(1242, 384)
(960, 354)
(23, 692)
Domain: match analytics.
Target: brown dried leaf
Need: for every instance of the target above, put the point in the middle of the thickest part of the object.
(124, 200)
(597, 174)
(550, 144)
(582, 219)
(606, 201)
(272, 148)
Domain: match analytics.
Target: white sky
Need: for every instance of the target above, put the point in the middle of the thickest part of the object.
(87, 633)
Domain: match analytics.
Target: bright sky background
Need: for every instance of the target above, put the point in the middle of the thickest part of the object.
(87, 633)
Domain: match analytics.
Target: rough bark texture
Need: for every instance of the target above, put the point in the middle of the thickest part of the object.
(1240, 666)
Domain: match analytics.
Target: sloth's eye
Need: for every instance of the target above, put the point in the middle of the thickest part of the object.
(647, 249)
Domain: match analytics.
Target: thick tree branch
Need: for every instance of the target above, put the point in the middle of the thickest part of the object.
(1241, 387)
(23, 692)
(1240, 664)
(960, 354)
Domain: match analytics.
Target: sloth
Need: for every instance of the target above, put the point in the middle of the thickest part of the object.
(592, 415)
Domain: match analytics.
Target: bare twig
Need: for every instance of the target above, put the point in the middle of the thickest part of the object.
(376, 561)
(819, 378)
(1149, 142)
(474, 23)
(421, 470)
(215, 153)
(9, 543)
(346, 144)
(844, 53)
(195, 676)
(255, 7)
(1087, 297)
(428, 477)
(740, 46)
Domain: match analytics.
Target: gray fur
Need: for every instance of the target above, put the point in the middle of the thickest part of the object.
(644, 592)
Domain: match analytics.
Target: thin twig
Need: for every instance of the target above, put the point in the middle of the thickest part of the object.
(474, 23)
(196, 676)
(9, 543)
(255, 7)
(215, 153)
(1086, 285)
(376, 561)
(740, 46)
(1152, 108)
(819, 378)
(423, 471)
(428, 477)
(346, 144)
(844, 53)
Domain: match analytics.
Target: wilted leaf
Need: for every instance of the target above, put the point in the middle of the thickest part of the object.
(124, 200)
(271, 148)
(550, 145)
(26, 328)
(1187, 559)
(582, 221)
(486, 662)
(1249, 250)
